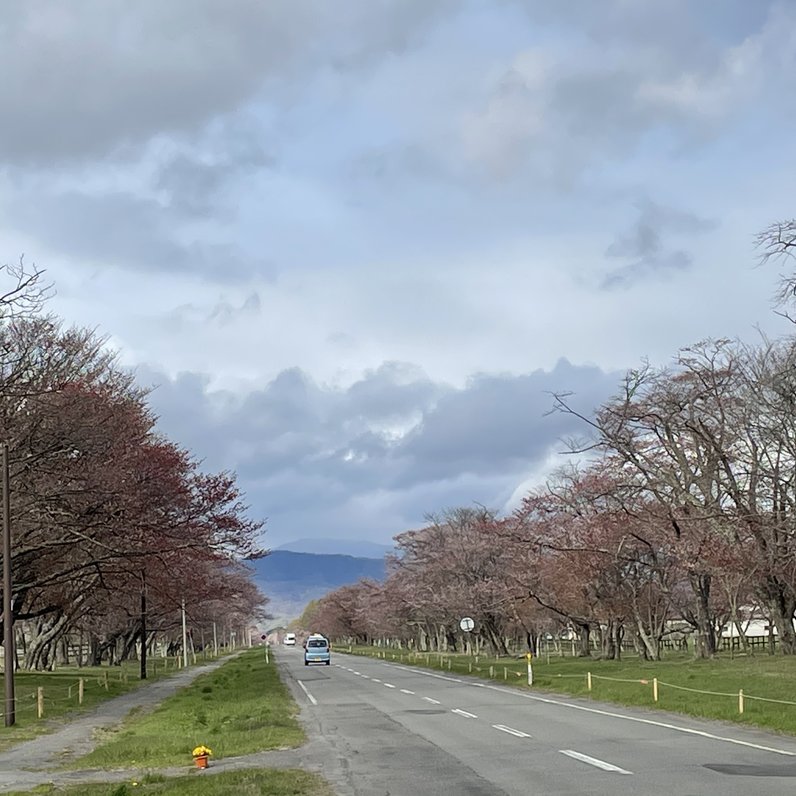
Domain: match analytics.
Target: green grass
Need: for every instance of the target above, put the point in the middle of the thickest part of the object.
(240, 708)
(267, 782)
(771, 677)
(61, 694)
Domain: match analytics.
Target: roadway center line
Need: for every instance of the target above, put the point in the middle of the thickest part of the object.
(388, 685)
(309, 695)
(407, 691)
(652, 722)
(425, 674)
(511, 731)
(357, 673)
(593, 761)
(432, 701)
(464, 713)
(375, 679)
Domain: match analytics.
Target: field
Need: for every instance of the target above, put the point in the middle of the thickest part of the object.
(255, 782)
(240, 708)
(708, 689)
(60, 692)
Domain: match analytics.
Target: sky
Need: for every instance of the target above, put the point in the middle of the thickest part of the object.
(354, 247)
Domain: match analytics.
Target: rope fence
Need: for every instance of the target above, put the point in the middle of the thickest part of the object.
(45, 699)
(445, 662)
(739, 695)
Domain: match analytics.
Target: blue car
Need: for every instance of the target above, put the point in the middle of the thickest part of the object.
(317, 650)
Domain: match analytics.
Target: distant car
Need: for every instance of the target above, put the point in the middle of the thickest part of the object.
(317, 650)
(289, 640)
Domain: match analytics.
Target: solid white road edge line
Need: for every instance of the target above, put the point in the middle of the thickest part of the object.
(638, 719)
(511, 731)
(464, 713)
(593, 761)
(309, 695)
(432, 701)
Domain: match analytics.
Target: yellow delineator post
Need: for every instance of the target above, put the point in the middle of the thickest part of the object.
(588, 680)
(655, 688)
(529, 658)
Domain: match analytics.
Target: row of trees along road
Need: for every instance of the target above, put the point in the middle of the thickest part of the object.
(682, 511)
(104, 509)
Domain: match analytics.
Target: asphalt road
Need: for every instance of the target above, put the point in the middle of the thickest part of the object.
(381, 728)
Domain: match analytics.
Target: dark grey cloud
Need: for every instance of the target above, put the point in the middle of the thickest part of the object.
(646, 247)
(497, 423)
(395, 437)
(86, 78)
(121, 229)
(195, 182)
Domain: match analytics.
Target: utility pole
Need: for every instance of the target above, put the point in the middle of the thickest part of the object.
(9, 653)
(184, 637)
(143, 625)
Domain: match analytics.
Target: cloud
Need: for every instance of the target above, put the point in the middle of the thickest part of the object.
(122, 229)
(645, 248)
(629, 72)
(87, 78)
(393, 438)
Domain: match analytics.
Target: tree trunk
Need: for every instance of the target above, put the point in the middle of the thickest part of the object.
(782, 605)
(584, 637)
(706, 633)
(652, 648)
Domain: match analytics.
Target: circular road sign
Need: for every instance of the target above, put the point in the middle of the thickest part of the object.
(466, 624)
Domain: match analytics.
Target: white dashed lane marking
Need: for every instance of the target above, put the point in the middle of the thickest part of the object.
(593, 761)
(511, 731)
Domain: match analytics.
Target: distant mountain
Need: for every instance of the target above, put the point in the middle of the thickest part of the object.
(346, 547)
(291, 579)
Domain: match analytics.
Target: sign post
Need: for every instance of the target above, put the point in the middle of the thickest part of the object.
(529, 658)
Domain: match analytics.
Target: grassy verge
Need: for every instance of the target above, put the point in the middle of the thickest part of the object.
(263, 782)
(630, 682)
(240, 708)
(61, 689)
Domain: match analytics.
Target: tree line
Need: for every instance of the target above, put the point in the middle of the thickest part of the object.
(679, 515)
(113, 524)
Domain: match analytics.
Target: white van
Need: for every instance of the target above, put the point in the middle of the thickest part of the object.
(289, 640)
